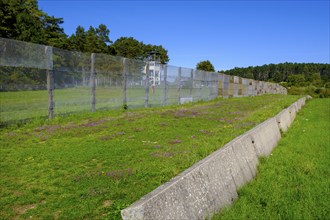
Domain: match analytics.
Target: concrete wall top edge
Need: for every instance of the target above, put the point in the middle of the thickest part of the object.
(262, 124)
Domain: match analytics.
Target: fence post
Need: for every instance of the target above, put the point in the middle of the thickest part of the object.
(50, 80)
(179, 85)
(124, 83)
(93, 76)
(165, 86)
(191, 83)
(146, 102)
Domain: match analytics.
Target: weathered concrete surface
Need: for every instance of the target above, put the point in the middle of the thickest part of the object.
(286, 117)
(300, 103)
(265, 136)
(212, 183)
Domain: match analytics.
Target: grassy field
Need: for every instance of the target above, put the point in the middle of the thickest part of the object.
(22, 105)
(293, 183)
(93, 165)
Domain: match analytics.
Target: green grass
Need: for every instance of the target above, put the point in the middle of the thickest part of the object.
(93, 165)
(21, 105)
(293, 183)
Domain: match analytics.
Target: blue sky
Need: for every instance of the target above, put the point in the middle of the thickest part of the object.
(228, 33)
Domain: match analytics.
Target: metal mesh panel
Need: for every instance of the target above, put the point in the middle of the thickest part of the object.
(220, 85)
(109, 71)
(156, 84)
(226, 85)
(21, 78)
(205, 88)
(22, 54)
(72, 72)
(23, 81)
(198, 85)
(213, 85)
(186, 85)
(172, 83)
(23, 93)
(137, 82)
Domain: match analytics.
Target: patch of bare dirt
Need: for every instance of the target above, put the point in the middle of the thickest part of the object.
(204, 132)
(236, 113)
(117, 174)
(47, 128)
(20, 210)
(95, 123)
(162, 154)
(185, 113)
(17, 193)
(106, 138)
(138, 129)
(226, 120)
(181, 113)
(112, 136)
(57, 214)
(204, 107)
(11, 134)
(177, 141)
(53, 128)
(107, 203)
(245, 124)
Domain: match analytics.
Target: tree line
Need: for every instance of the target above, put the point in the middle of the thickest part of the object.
(283, 72)
(23, 20)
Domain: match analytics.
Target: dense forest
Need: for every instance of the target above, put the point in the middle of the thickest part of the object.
(298, 78)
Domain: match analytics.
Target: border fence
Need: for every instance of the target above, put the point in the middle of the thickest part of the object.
(39, 81)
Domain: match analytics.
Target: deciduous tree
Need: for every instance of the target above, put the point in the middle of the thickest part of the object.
(205, 65)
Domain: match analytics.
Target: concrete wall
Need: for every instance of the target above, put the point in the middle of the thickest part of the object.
(212, 183)
(234, 86)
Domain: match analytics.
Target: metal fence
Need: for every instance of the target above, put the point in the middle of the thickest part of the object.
(38, 81)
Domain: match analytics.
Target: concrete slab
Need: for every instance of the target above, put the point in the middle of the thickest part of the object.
(246, 157)
(265, 136)
(298, 105)
(302, 101)
(284, 120)
(286, 117)
(293, 112)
